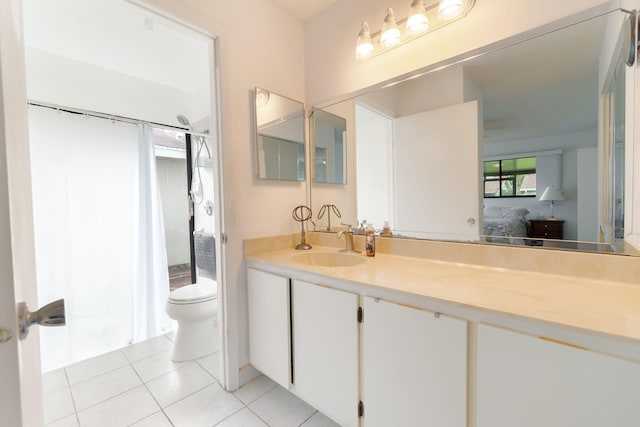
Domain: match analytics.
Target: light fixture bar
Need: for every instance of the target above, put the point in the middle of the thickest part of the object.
(435, 22)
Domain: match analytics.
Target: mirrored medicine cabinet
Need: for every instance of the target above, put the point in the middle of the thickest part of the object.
(280, 137)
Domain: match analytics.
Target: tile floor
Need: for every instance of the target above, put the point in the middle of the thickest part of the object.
(140, 386)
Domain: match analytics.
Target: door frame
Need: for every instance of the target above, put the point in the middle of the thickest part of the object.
(227, 295)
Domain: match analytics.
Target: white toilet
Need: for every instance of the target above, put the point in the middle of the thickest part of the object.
(195, 308)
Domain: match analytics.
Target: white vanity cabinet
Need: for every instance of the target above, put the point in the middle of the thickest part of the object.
(527, 381)
(325, 350)
(269, 320)
(414, 366)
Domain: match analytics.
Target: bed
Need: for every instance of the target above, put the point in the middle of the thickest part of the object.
(505, 224)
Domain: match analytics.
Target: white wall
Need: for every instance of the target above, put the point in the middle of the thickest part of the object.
(62, 81)
(263, 48)
(374, 157)
(332, 70)
(587, 208)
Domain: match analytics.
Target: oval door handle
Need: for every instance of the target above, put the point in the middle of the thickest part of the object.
(52, 314)
(471, 221)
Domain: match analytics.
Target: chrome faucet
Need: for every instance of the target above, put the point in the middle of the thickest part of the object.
(348, 239)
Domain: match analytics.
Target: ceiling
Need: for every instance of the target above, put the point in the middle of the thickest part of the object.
(119, 36)
(304, 9)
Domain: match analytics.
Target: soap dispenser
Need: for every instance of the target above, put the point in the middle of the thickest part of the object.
(386, 230)
(370, 241)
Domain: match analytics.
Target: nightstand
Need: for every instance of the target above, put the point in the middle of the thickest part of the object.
(546, 229)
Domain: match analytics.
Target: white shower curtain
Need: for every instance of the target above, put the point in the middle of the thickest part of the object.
(98, 232)
(150, 253)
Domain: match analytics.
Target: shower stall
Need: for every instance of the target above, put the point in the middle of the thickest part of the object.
(102, 231)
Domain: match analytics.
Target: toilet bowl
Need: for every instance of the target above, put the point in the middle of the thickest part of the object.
(195, 308)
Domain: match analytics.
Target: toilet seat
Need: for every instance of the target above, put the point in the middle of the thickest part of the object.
(192, 294)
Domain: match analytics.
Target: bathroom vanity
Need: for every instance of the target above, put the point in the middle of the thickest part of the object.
(398, 340)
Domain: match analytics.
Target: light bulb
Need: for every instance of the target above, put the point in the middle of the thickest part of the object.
(417, 22)
(390, 32)
(450, 9)
(364, 45)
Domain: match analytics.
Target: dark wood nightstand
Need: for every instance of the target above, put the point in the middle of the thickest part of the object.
(546, 229)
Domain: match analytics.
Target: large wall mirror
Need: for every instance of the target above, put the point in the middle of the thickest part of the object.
(280, 148)
(495, 146)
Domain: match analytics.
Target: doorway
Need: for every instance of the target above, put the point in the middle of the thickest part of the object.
(163, 71)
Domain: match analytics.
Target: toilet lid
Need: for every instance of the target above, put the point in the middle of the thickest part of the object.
(193, 293)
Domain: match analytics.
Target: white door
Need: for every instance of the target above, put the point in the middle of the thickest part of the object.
(325, 350)
(434, 199)
(269, 338)
(414, 366)
(20, 384)
(528, 381)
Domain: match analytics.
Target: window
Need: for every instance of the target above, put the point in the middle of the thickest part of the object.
(510, 177)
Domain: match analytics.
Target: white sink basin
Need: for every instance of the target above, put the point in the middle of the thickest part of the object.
(329, 259)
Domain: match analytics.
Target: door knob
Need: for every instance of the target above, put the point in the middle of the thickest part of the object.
(51, 314)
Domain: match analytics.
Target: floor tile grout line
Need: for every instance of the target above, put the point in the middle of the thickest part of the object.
(259, 396)
(259, 417)
(230, 415)
(147, 356)
(109, 398)
(144, 383)
(308, 418)
(73, 400)
(184, 365)
(189, 395)
(96, 375)
(197, 361)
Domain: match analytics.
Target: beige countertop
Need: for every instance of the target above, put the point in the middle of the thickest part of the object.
(594, 305)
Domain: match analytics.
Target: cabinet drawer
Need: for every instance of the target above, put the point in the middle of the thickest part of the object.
(546, 229)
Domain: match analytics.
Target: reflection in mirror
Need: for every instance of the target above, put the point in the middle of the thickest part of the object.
(279, 137)
(531, 112)
(329, 134)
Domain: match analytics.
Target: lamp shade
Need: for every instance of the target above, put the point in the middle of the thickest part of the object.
(390, 33)
(551, 194)
(417, 20)
(364, 45)
(450, 9)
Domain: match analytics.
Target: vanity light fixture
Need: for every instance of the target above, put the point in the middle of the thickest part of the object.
(390, 32)
(421, 20)
(364, 46)
(450, 9)
(417, 21)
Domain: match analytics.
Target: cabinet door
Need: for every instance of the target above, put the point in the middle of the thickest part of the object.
(414, 367)
(269, 338)
(325, 350)
(527, 381)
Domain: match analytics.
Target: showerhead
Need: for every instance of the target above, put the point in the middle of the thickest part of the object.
(183, 120)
